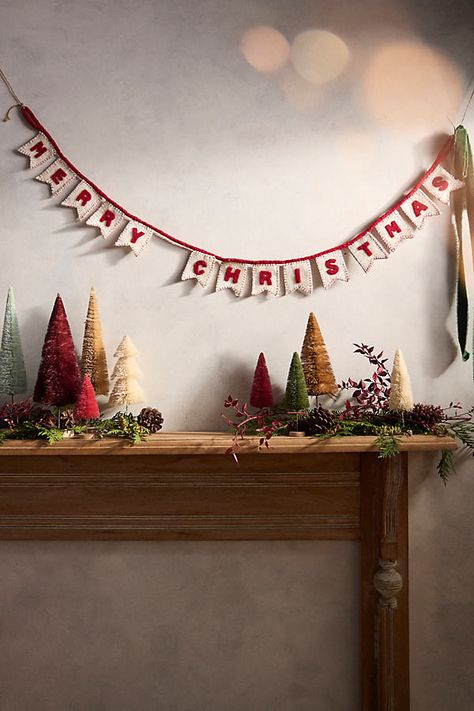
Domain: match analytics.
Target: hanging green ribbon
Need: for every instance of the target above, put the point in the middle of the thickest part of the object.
(463, 202)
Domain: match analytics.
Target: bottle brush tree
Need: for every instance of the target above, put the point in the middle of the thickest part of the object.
(12, 365)
(296, 395)
(59, 376)
(261, 395)
(94, 358)
(401, 395)
(86, 406)
(126, 389)
(318, 372)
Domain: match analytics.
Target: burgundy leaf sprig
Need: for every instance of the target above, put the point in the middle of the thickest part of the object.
(264, 423)
(369, 395)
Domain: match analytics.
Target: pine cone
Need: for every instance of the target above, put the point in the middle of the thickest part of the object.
(318, 421)
(47, 418)
(151, 418)
(424, 417)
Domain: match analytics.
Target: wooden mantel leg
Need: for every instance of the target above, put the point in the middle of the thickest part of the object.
(384, 558)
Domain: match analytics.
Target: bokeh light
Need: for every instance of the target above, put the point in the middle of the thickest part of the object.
(319, 56)
(265, 49)
(409, 84)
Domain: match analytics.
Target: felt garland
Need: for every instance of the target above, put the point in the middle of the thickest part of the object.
(111, 215)
(376, 242)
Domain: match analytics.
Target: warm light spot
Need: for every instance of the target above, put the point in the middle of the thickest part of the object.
(409, 84)
(319, 56)
(265, 49)
(299, 93)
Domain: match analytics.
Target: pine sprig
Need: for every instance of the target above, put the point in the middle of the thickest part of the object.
(445, 466)
(388, 445)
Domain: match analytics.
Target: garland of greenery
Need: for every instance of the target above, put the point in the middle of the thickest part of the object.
(365, 412)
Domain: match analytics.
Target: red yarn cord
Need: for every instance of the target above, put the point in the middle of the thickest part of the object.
(32, 120)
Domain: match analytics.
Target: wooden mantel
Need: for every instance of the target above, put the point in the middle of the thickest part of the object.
(182, 486)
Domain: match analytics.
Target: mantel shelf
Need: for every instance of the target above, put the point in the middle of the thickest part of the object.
(185, 443)
(182, 486)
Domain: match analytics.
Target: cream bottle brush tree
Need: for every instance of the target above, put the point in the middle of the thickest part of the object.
(94, 358)
(126, 389)
(401, 395)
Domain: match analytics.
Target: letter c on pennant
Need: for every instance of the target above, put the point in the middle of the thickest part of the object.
(199, 267)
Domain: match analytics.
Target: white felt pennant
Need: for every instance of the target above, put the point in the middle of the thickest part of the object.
(332, 268)
(394, 229)
(57, 175)
(134, 235)
(84, 199)
(297, 276)
(265, 278)
(440, 184)
(418, 207)
(232, 275)
(38, 149)
(107, 218)
(366, 250)
(200, 267)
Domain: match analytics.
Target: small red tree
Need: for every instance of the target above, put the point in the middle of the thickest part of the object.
(261, 395)
(86, 406)
(59, 377)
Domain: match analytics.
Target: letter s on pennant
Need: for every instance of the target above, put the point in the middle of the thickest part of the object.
(332, 268)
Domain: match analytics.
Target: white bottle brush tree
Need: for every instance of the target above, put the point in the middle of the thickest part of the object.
(126, 389)
(401, 394)
(12, 365)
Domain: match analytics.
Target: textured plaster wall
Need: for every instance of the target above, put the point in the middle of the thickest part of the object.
(154, 100)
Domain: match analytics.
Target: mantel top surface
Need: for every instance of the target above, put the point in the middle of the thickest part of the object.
(182, 443)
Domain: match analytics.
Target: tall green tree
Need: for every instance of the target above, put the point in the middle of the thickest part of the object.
(296, 395)
(12, 364)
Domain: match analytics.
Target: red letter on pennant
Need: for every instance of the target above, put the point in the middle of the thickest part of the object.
(38, 149)
(199, 267)
(233, 274)
(84, 197)
(265, 278)
(58, 176)
(331, 266)
(418, 207)
(392, 227)
(365, 247)
(135, 235)
(108, 217)
(298, 276)
(440, 183)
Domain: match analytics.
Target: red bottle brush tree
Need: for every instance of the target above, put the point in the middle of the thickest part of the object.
(86, 405)
(59, 377)
(261, 395)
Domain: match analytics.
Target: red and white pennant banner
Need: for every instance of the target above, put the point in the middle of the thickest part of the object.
(273, 277)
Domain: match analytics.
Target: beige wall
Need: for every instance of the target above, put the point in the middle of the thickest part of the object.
(154, 101)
